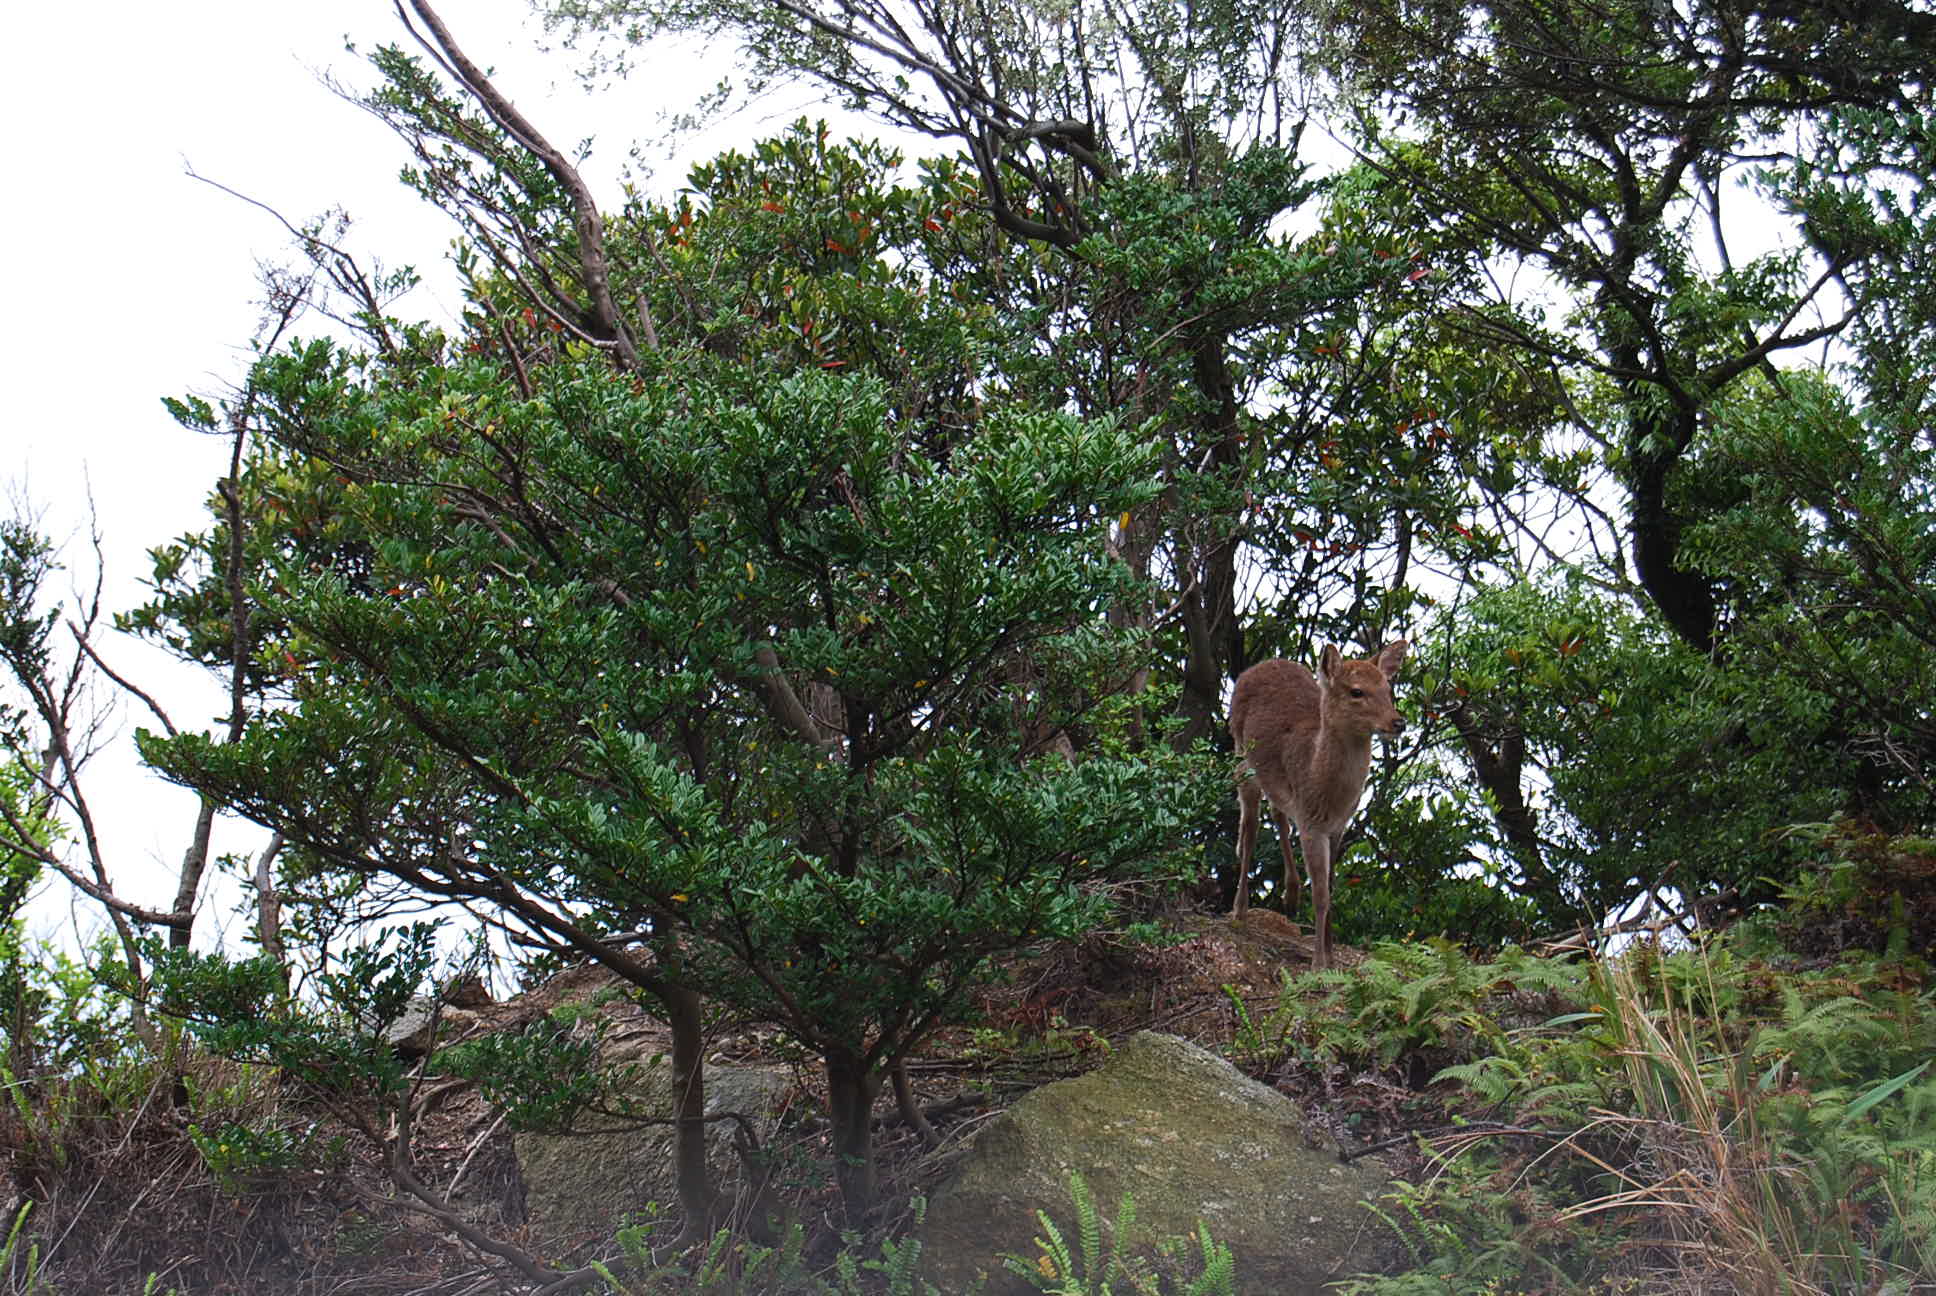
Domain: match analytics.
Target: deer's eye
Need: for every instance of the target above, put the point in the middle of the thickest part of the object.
(1357, 692)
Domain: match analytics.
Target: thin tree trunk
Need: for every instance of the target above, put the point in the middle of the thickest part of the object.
(851, 1089)
(683, 1013)
(268, 908)
(1498, 769)
(910, 1108)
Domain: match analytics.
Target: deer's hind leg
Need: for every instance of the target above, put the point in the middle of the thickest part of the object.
(1248, 797)
(1293, 883)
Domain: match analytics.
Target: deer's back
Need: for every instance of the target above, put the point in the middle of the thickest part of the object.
(1272, 697)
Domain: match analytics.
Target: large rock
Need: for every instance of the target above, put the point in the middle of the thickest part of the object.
(1188, 1137)
(581, 1188)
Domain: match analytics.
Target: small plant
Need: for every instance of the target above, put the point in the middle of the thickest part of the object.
(543, 1076)
(1259, 1046)
(1424, 996)
(1047, 1044)
(1870, 891)
(244, 1156)
(20, 1271)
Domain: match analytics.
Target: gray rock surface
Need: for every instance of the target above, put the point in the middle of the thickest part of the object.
(580, 1188)
(424, 1023)
(1189, 1137)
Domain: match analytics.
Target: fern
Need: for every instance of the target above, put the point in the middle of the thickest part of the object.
(1219, 1276)
(733, 1266)
(1802, 1105)
(1097, 1264)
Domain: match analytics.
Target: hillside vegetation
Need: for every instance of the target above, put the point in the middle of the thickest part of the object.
(811, 597)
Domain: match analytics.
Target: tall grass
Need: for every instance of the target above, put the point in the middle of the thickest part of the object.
(1752, 1169)
(1699, 1122)
(19, 1259)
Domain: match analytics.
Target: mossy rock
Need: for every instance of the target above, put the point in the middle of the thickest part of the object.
(1190, 1138)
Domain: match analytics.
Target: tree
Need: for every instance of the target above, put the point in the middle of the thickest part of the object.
(19, 1013)
(1611, 758)
(724, 662)
(54, 737)
(49, 742)
(1142, 225)
(1611, 147)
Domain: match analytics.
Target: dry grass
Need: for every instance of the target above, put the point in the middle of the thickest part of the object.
(1733, 1207)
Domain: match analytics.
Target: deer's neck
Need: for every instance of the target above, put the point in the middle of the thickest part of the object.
(1339, 762)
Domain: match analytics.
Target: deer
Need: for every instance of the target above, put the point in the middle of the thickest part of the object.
(1306, 744)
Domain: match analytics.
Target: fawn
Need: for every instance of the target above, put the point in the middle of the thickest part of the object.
(1308, 741)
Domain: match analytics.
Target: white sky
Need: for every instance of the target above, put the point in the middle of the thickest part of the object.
(132, 281)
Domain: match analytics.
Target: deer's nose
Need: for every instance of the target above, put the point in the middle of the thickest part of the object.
(1397, 725)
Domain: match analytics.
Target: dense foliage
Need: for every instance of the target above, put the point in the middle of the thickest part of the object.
(805, 591)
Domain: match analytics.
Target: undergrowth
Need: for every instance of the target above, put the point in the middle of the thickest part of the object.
(731, 1265)
(1739, 1117)
(1704, 1121)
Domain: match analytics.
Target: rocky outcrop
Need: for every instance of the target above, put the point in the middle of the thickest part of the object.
(1190, 1138)
(581, 1188)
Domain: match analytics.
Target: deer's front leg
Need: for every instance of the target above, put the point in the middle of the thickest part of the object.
(1317, 861)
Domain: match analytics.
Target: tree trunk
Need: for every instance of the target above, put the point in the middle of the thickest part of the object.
(1498, 768)
(1685, 598)
(696, 1198)
(851, 1089)
(268, 908)
(1202, 693)
(1215, 642)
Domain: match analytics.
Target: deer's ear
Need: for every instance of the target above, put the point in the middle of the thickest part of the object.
(1329, 660)
(1392, 656)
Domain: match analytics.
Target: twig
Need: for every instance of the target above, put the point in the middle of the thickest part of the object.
(1484, 1129)
(477, 1145)
(86, 646)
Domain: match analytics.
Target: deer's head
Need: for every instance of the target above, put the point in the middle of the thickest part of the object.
(1357, 693)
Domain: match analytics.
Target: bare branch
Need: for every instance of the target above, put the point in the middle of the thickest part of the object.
(785, 703)
(82, 642)
(593, 266)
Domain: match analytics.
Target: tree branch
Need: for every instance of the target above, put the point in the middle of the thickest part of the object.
(593, 267)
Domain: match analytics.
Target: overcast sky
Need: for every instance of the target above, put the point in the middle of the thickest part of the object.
(133, 281)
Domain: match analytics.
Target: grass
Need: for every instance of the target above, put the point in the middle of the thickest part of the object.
(1697, 1122)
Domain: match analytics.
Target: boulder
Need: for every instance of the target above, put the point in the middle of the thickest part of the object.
(1190, 1138)
(581, 1188)
(425, 1023)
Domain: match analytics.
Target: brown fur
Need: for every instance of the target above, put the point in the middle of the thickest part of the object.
(1307, 741)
